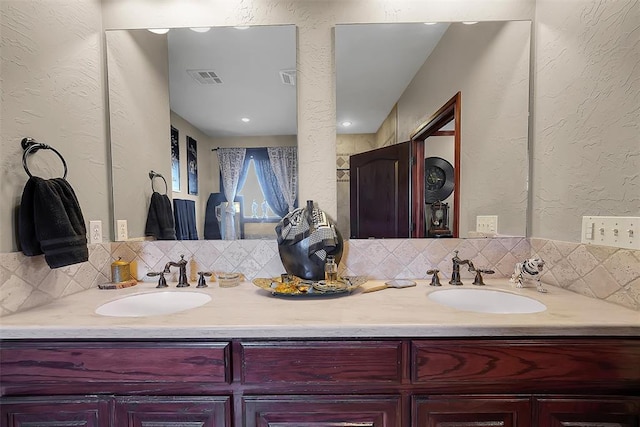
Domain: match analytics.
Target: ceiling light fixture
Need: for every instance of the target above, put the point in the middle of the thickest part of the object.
(346, 123)
(200, 29)
(159, 30)
(246, 119)
(430, 23)
(241, 27)
(469, 22)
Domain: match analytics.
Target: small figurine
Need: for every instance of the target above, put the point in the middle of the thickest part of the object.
(529, 269)
(254, 209)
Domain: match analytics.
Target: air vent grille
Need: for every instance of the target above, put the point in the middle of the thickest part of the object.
(288, 77)
(205, 77)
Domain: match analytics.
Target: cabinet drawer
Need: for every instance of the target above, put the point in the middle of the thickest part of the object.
(321, 362)
(113, 362)
(521, 365)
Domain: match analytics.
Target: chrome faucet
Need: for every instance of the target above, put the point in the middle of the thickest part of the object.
(457, 262)
(182, 275)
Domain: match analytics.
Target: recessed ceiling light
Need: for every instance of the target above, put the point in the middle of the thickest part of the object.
(346, 123)
(200, 29)
(430, 23)
(159, 30)
(241, 27)
(469, 22)
(246, 119)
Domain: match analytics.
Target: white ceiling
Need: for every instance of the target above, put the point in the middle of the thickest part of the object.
(248, 61)
(374, 65)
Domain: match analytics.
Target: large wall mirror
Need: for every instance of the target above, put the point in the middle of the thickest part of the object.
(391, 78)
(175, 97)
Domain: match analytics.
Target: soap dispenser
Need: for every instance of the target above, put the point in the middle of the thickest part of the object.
(330, 269)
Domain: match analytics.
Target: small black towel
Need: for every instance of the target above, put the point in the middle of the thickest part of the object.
(51, 222)
(160, 222)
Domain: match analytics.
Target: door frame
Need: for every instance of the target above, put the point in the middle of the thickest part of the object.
(451, 110)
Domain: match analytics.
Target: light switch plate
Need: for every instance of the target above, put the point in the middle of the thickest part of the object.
(615, 231)
(487, 223)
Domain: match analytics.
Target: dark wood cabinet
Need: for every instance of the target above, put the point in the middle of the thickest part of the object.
(381, 382)
(498, 411)
(322, 411)
(602, 411)
(172, 411)
(69, 411)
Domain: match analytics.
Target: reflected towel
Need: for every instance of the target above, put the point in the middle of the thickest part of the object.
(184, 212)
(160, 218)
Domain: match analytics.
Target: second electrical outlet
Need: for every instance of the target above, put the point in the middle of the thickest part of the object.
(121, 230)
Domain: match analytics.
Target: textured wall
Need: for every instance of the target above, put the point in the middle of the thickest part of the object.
(52, 89)
(586, 130)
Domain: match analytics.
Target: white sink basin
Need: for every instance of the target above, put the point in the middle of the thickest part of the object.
(487, 301)
(153, 304)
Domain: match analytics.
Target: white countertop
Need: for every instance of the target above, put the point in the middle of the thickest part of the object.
(247, 311)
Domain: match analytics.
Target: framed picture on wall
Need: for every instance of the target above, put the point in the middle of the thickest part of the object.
(175, 159)
(192, 165)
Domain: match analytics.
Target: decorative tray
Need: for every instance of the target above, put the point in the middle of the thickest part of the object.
(297, 287)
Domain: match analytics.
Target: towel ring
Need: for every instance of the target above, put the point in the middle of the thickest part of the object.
(153, 175)
(30, 146)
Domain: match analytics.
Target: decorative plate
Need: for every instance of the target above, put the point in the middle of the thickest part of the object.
(298, 287)
(438, 179)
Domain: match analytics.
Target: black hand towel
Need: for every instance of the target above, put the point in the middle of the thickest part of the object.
(160, 222)
(51, 222)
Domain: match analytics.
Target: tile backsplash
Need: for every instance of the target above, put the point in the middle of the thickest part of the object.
(599, 272)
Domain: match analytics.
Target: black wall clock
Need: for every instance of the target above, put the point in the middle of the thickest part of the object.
(438, 179)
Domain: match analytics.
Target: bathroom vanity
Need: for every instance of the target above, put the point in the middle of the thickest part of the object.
(387, 358)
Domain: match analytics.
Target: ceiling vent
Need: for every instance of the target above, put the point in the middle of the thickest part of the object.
(288, 77)
(205, 77)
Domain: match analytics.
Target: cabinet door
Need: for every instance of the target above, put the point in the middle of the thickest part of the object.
(589, 412)
(496, 411)
(191, 411)
(322, 411)
(55, 412)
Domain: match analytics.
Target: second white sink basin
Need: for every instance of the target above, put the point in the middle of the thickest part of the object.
(487, 301)
(153, 304)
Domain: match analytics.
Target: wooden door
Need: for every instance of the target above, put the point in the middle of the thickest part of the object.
(170, 411)
(380, 192)
(55, 411)
(322, 411)
(588, 412)
(496, 411)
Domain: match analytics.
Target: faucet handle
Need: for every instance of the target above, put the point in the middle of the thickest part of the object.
(435, 279)
(202, 282)
(162, 282)
(478, 281)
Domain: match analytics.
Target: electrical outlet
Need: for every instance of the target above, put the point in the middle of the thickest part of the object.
(614, 231)
(95, 231)
(487, 223)
(121, 230)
